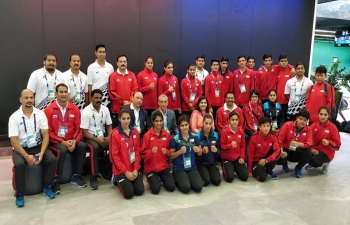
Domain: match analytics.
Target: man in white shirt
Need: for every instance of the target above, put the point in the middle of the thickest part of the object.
(42, 82)
(296, 91)
(169, 117)
(29, 135)
(96, 123)
(77, 83)
(98, 74)
(201, 73)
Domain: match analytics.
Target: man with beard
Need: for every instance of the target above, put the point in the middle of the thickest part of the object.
(96, 123)
(77, 82)
(28, 132)
(42, 82)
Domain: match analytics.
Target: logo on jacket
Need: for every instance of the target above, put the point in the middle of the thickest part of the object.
(326, 131)
(129, 79)
(229, 137)
(54, 116)
(259, 145)
(118, 80)
(164, 139)
(146, 78)
(270, 144)
(155, 78)
(71, 115)
(304, 134)
(152, 138)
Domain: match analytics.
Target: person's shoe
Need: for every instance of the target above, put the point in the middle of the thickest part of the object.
(325, 168)
(103, 176)
(285, 168)
(298, 173)
(56, 187)
(114, 181)
(19, 200)
(308, 167)
(77, 180)
(49, 192)
(93, 183)
(273, 176)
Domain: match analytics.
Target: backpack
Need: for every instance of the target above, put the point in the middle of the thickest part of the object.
(333, 117)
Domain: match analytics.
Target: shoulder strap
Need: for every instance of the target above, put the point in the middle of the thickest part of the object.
(325, 86)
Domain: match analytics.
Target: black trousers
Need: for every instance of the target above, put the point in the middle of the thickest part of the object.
(115, 120)
(130, 188)
(230, 167)
(79, 154)
(301, 156)
(215, 109)
(285, 110)
(318, 160)
(165, 176)
(209, 173)
(95, 151)
(187, 179)
(260, 172)
(291, 117)
(48, 161)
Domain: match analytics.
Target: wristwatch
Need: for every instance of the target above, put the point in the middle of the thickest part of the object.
(266, 161)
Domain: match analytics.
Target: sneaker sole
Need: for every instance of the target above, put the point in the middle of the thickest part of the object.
(78, 185)
(94, 189)
(20, 206)
(58, 192)
(48, 196)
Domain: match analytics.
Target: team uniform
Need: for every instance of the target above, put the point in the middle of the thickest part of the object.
(78, 87)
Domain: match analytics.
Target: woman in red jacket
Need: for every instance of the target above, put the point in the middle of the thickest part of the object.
(155, 152)
(147, 80)
(169, 85)
(252, 113)
(326, 141)
(233, 147)
(125, 157)
(191, 90)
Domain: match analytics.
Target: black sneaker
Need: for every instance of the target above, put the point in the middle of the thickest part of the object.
(104, 176)
(93, 182)
(56, 187)
(77, 180)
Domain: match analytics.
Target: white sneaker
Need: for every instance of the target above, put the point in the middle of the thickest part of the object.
(308, 167)
(325, 168)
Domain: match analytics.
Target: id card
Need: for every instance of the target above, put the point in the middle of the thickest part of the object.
(31, 141)
(173, 94)
(274, 124)
(137, 126)
(292, 148)
(296, 98)
(132, 156)
(99, 133)
(187, 162)
(242, 88)
(192, 97)
(51, 95)
(255, 127)
(77, 97)
(217, 93)
(62, 131)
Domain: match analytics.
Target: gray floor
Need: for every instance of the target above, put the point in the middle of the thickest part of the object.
(314, 199)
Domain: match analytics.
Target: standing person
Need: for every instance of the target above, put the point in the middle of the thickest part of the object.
(207, 163)
(252, 113)
(273, 110)
(183, 148)
(122, 86)
(66, 136)
(77, 83)
(243, 82)
(169, 85)
(263, 152)
(227, 77)
(191, 90)
(196, 121)
(155, 153)
(233, 148)
(147, 81)
(319, 94)
(213, 88)
(267, 78)
(296, 91)
(98, 74)
(326, 141)
(201, 73)
(251, 65)
(42, 82)
(169, 118)
(29, 136)
(96, 124)
(222, 115)
(295, 139)
(125, 157)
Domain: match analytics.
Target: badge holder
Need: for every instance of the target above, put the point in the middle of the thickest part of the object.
(274, 124)
(77, 97)
(31, 141)
(192, 97)
(51, 95)
(132, 156)
(173, 94)
(62, 131)
(99, 133)
(217, 93)
(292, 148)
(137, 126)
(296, 98)
(255, 126)
(242, 88)
(187, 162)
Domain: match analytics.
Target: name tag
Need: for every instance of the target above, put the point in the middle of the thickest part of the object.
(192, 140)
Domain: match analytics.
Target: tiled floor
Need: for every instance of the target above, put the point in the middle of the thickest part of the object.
(314, 199)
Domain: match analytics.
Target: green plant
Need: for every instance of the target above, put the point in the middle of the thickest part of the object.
(338, 78)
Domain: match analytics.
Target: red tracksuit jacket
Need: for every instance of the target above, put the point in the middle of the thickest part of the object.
(330, 132)
(121, 88)
(251, 118)
(212, 82)
(190, 85)
(150, 97)
(165, 82)
(246, 78)
(287, 134)
(120, 146)
(227, 83)
(317, 98)
(55, 119)
(227, 151)
(155, 162)
(266, 81)
(283, 76)
(222, 117)
(259, 146)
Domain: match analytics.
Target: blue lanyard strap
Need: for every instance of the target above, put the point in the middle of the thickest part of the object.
(295, 87)
(47, 82)
(93, 116)
(24, 124)
(239, 75)
(58, 116)
(75, 86)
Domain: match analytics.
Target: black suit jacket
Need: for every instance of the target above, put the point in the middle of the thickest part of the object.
(145, 123)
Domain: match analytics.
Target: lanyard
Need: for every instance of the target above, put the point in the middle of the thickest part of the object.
(81, 83)
(239, 76)
(58, 117)
(166, 77)
(93, 116)
(216, 80)
(301, 88)
(24, 124)
(127, 143)
(297, 132)
(252, 112)
(195, 89)
(47, 82)
(275, 109)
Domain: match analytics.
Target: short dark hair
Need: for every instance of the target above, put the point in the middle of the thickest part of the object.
(49, 54)
(304, 113)
(199, 101)
(207, 116)
(282, 57)
(189, 65)
(240, 56)
(233, 113)
(321, 69)
(119, 56)
(70, 58)
(264, 120)
(96, 91)
(61, 85)
(200, 56)
(182, 118)
(147, 58)
(225, 59)
(155, 114)
(100, 46)
(123, 111)
(299, 63)
(253, 92)
(325, 108)
(214, 60)
(250, 57)
(267, 55)
(272, 90)
(229, 92)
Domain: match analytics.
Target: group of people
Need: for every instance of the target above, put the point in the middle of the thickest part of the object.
(247, 120)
